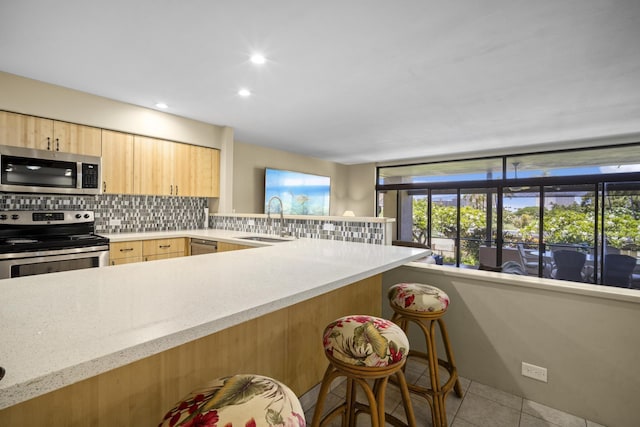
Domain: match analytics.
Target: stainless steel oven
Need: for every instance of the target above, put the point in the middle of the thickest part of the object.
(37, 242)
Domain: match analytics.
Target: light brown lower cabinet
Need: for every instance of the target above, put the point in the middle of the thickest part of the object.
(225, 247)
(125, 252)
(163, 248)
(146, 250)
(128, 260)
(163, 256)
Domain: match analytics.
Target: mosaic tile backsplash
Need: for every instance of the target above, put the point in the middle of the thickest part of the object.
(330, 229)
(134, 213)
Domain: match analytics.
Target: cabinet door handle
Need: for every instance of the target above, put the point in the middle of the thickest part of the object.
(164, 246)
(57, 144)
(171, 189)
(104, 186)
(48, 143)
(176, 189)
(126, 249)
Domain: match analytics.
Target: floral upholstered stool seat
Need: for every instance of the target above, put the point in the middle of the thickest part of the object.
(364, 350)
(238, 401)
(424, 305)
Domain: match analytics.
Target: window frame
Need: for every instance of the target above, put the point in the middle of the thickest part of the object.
(599, 183)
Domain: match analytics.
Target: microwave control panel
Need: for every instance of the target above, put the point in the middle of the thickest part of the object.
(89, 175)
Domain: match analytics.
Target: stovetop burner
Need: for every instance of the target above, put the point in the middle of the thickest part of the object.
(37, 231)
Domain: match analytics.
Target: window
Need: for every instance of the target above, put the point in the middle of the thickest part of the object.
(566, 215)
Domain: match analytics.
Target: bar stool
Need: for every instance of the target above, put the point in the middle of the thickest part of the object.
(425, 305)
(364, 350)
(238, 400)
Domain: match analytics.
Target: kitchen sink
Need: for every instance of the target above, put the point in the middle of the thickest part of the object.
(264, 239)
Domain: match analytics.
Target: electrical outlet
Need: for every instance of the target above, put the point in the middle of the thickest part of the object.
(251, 222)
(115, 222)
(536, 372)
(327, 226)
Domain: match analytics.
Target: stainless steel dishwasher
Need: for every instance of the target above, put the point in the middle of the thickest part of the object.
(201, 246)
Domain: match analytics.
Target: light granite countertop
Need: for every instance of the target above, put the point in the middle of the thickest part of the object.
(61, 328)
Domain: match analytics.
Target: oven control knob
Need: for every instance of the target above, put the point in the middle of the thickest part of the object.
(86, 215)
(15, 216)
(78, 216)
(3, 216)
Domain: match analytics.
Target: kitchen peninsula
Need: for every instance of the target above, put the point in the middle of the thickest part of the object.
(119, 345)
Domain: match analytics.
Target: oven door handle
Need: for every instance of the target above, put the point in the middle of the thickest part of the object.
(66, 251)
(39, 259)
(7, 264)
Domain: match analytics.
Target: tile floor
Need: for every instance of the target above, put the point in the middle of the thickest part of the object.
(480, 405)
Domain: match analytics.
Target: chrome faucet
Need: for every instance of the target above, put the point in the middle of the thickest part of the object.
(281, 231)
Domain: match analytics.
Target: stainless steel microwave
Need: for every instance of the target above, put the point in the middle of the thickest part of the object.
(26, 170)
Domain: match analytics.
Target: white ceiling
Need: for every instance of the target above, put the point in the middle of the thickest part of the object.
(351, 81)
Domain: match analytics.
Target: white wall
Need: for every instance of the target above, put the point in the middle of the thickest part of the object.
(361, 189)
(585, 335)
(352, 187)
(22, 95)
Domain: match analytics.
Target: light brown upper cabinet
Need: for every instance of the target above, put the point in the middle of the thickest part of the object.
(205, 177)
(174, 169)
(215, 172)
(153, 166)
(182, 170)
(19, 130)
(45, 134)
(117, 162)
(196, 171)
(79, 139)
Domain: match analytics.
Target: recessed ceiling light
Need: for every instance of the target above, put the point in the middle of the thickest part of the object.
(162, 105)
(258, 59)
(244, 92)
